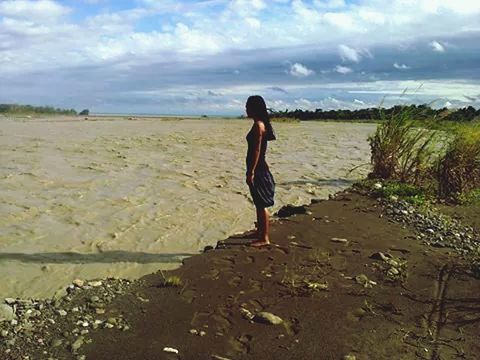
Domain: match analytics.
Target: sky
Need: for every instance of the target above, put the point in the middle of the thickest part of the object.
(208, 56)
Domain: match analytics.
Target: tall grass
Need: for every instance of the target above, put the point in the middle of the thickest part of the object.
(458, 170)
(400, 150)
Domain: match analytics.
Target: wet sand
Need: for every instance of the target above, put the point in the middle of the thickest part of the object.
(118, 197)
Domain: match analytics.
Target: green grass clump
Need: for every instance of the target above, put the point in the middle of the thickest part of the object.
(470, 198)
(403, 191)
(395, 190)
(171, 281)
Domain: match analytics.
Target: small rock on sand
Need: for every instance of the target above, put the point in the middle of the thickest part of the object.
(339, 240)
(78, 282)
(267, 318)
(77, 344)
(6, 313)
(170, 350)
(289, 210)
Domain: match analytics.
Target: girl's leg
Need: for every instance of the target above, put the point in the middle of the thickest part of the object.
(263, 227)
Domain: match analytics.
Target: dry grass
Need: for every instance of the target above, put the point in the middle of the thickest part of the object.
(458, 170)
(401, 150)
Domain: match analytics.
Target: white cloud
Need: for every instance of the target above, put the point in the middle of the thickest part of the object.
(343, 69)
(349, 54)
(329, 4)
(253, 22)
(343, 21)
(401, 66)
(300, 70)
(33, 10)
(372, 16)
(436, 46)
(246, 8)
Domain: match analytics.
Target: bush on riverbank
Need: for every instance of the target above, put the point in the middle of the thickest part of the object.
(404, 152)
(400, 150)
(458, 171)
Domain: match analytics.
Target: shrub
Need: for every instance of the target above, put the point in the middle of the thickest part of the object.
(400, 150)
(458, 170)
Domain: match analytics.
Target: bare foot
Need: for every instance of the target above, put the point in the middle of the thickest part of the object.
(259, 243)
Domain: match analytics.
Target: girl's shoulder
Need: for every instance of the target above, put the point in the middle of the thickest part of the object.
(259, 126)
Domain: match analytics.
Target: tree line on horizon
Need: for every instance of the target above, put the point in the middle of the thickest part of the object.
(421, 112)
(30, 109)
(45, 110)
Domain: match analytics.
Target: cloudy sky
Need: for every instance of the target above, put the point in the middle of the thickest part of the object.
(207, 56)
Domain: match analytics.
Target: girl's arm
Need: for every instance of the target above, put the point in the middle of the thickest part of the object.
(258, 133)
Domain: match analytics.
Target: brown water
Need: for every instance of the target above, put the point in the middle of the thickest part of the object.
(118, 197)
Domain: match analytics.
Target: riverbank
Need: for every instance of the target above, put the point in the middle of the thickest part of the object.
(347, 277)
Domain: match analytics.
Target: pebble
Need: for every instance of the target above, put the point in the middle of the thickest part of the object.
(267, 318)
(10, 301)
(95, 283)
(6, 313)
(170, 350)
(349, 357)
(56, 342)
(202, 333)
(77, 344)
(193, 331)
(339, 240)
(377, 186)
(62, 312)
(246, 314)
(78, 283)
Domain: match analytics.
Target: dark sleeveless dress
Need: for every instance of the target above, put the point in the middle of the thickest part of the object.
(263, 188)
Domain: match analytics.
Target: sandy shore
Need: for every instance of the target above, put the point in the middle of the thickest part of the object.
(345, 279)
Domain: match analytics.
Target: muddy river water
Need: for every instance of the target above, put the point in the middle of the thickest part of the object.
(118, 197)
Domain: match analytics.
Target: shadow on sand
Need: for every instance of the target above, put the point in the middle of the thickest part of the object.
(103, 257)
(321, 182)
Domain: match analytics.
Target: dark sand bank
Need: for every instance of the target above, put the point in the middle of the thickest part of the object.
(435, 311)
(333, 297)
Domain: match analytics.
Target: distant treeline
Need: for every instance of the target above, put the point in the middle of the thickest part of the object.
(29, 109)
(421, 112)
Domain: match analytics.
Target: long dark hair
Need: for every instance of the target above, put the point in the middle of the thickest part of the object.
(257, 109)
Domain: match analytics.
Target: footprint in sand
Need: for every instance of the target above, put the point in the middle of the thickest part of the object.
(235, 280)
(255, 285)
(222, 321)
(228, 261)
(241, 344)
(212, 274)
(250, 260)
(189, 295)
